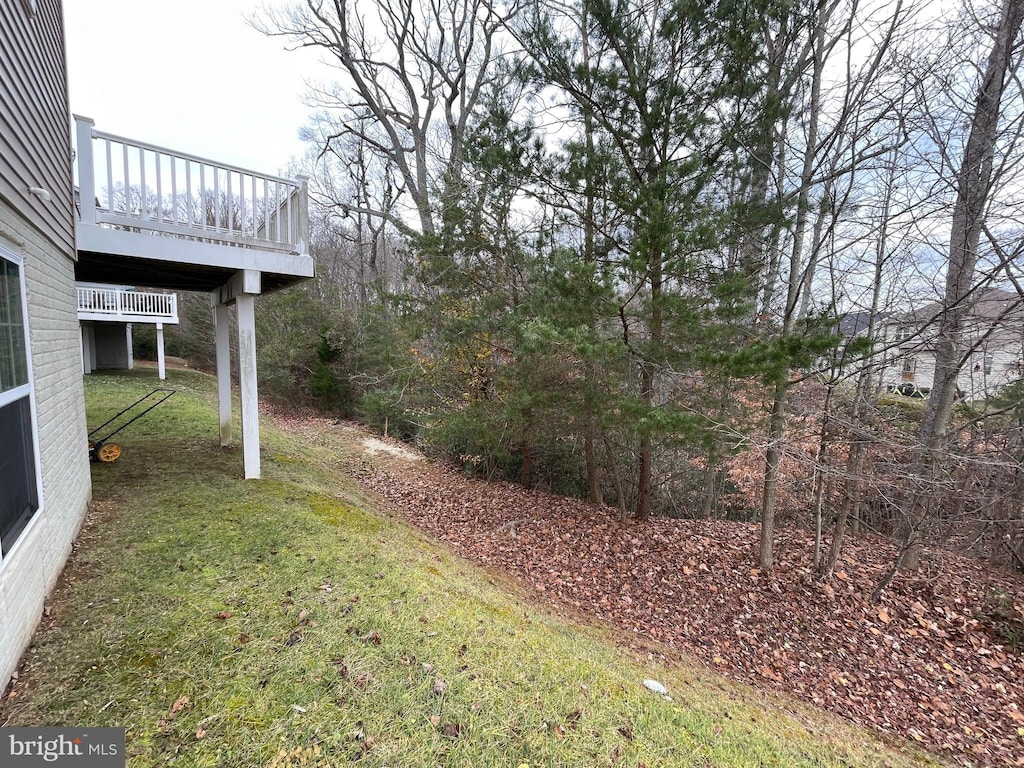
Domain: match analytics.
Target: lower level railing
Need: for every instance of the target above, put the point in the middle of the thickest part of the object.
(117, 302)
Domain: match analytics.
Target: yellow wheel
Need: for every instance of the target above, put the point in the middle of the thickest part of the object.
(109, 452)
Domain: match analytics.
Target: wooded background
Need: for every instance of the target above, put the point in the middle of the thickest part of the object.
(605, 248)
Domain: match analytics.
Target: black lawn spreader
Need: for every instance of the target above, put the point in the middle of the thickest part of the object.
(100, 448)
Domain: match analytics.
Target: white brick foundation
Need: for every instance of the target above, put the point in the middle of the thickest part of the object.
(29, 571)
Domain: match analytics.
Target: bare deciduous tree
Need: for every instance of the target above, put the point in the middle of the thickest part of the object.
(973, 190)
(412, 74)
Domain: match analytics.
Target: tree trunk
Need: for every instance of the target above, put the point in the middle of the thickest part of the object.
(713, 478)
(819, 474)
(594, 495)
(773, 465)
(973, 187)
(850, 507)
(526, 468)
(645, 479)
(714, 474)
(777, 427)
(620, 491)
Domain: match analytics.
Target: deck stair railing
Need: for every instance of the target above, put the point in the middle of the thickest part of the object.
(114, 303)
(140, 187)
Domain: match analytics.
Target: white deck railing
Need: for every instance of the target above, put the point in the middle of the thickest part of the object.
(119, 304)
(127, 184)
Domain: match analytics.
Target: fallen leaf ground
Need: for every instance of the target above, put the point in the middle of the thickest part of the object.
(922, 664)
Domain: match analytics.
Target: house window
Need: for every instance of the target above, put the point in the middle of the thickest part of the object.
(987, 364)
(903, 333)
(909, 364)
(19, 491)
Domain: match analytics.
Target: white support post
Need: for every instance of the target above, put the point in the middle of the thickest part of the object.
(245, 305)
(86, 169)
(161, 367)
(223, 346)
(130, 344)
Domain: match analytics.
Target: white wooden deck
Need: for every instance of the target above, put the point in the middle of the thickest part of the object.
(187, 220)
(152, 216)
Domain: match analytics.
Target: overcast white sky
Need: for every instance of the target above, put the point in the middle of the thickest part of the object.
(189, 75)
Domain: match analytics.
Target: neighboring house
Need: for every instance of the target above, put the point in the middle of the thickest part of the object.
(993, 345)
(194, 225)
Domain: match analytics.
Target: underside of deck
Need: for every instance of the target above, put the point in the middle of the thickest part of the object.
(136, 258)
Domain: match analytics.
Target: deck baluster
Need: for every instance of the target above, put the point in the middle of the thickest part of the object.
(110, 177)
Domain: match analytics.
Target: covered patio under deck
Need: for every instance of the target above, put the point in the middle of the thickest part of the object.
(165, 219)
(106, 312)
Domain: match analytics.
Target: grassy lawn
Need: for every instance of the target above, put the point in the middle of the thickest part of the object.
(286, 621)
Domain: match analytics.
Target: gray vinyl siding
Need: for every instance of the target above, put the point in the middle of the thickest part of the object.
(35, 130)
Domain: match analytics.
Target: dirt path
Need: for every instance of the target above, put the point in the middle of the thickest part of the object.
(927, 663)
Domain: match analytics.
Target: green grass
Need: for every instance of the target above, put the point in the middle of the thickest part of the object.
(286, 622)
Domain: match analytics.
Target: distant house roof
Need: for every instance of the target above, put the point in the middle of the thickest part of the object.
(994, 313)
(996, 303)
(855, 323)
(987, 304)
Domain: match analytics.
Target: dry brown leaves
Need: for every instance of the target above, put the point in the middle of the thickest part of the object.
(919, 664)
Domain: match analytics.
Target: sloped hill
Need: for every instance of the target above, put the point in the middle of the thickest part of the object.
(930, 662)
(290, 621)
